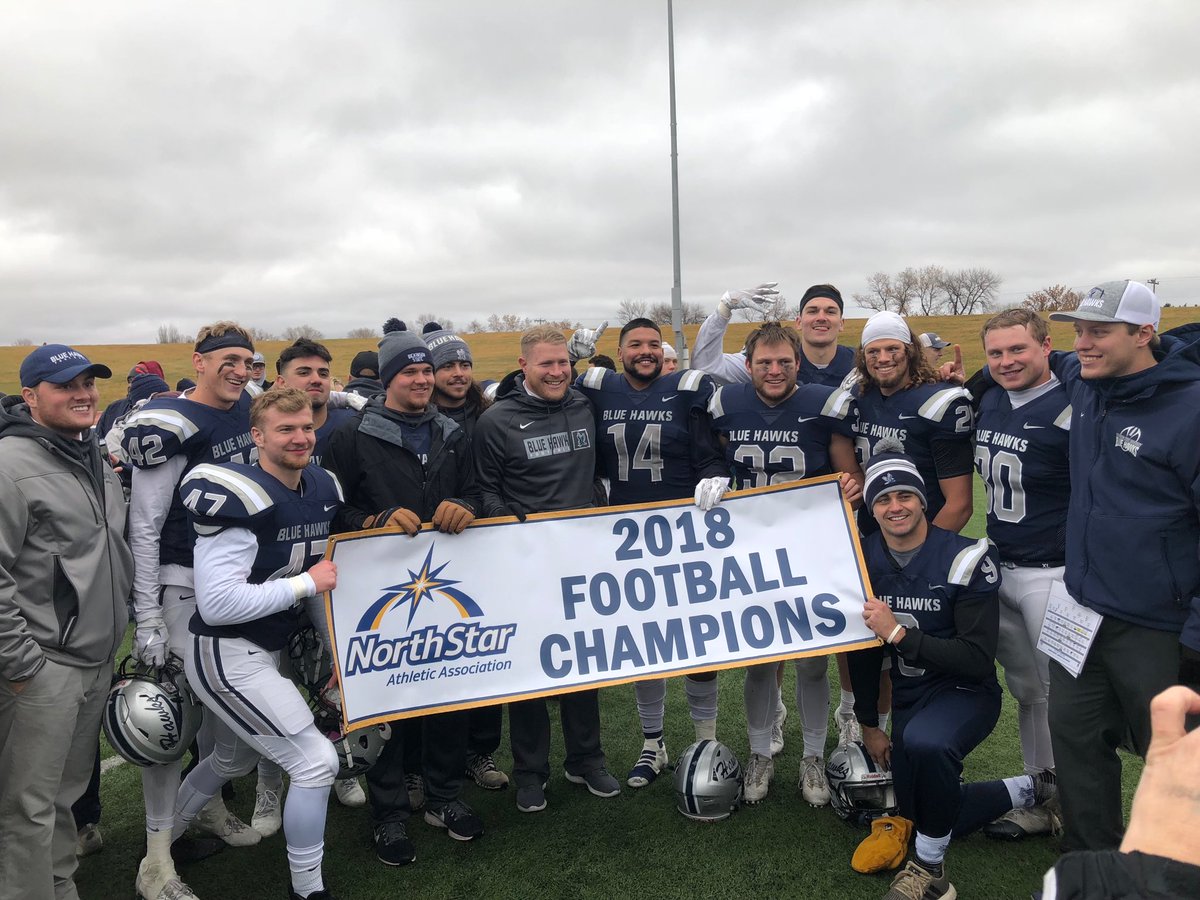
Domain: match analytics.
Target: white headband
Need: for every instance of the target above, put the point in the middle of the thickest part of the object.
(886, 325)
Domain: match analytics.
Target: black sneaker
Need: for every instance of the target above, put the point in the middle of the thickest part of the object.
(459, 820)
(598, 781)
(392, 845)
(189, 848)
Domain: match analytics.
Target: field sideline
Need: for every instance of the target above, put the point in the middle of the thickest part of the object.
(583, 847)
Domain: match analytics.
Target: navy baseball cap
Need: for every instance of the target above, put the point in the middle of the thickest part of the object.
(58, 364)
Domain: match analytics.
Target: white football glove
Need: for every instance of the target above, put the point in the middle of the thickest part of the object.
(710, 491)
(346, 400)
(582, 344)
(150, 642)
(762, 298)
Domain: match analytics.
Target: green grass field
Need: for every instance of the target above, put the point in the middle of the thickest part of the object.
(581, 846)
(585, 847)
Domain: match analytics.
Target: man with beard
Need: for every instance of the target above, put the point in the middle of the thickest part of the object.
(900, 398)
(777, 431)
(655, 442)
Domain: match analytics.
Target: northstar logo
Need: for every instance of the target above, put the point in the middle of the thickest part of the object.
(422, 585)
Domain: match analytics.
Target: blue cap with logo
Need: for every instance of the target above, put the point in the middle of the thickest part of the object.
(58, 364)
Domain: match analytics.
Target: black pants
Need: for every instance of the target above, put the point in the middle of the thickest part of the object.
(483, 729)
(86, 809)
(930, 740)
(1090, 716)
(529, 731)
(443, 749)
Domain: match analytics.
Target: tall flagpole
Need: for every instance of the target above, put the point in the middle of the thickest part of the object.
(676, 289)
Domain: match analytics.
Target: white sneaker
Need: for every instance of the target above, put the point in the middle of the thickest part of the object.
(159, 882)
(758, 779)
(350, 793)
(777, 730)
(849, 730)
(219, 822)
(649, 765)
(268, 812)
(813, 786)
(88, 840)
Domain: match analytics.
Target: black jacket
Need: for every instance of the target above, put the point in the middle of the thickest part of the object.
(378, 472)
(532, 455)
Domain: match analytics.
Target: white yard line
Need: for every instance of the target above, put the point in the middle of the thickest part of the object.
(111, 763)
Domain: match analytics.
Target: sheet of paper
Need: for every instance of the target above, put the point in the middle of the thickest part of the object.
(1067, 630)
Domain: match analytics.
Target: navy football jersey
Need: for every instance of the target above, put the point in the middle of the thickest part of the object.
(786, 442)
(917, 418)
(170, 426)
(922, 596)
(291, 527)
(656, 443)
(832, 375)
(333, 421)
(1021, 454)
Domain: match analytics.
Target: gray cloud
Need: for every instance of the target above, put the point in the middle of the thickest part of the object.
(334, 164)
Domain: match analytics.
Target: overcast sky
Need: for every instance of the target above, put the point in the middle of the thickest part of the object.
(339, 163)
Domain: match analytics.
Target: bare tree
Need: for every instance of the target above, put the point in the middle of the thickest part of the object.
(897, 294)
(970, 291)
(262, 334)
(170, 334)
(474, 327)
(23, 342)
(929, 291)
(425, 318)
(295, 332)
(1056, 298)
(629, 309)
(362, 334)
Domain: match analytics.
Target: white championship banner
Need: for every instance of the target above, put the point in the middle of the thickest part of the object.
(582, 599)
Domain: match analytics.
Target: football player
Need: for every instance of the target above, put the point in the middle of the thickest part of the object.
(777, 431)
(900, 398)
(822, 359)
(655, 442)
(936, 611)
(164, 440)
(305, 366)
(1021, 445)
(252, 581)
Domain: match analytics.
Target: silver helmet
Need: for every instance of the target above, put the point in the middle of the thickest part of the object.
(150, 716)
(357, 750)
(859, 790)
(708, 782)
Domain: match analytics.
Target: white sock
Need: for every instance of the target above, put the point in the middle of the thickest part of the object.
(305, 866)
(158, 848)
(1020, 791)
(846, 707)
(932, 849)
